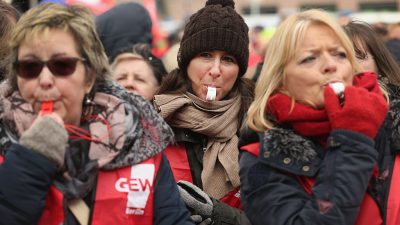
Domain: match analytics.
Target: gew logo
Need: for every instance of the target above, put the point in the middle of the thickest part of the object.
(137, 186)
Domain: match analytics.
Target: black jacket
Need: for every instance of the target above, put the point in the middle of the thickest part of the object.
(25, 178)
(271, 193)
(123, 26)
(195, 144)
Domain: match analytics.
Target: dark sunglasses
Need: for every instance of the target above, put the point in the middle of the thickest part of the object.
(60, 66)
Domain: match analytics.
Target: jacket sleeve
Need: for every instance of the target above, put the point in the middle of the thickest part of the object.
(25, 178)
(169, 208)
(272, 196)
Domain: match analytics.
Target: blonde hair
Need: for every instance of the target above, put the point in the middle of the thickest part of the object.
(123, 57)
(77, 20)
(281, 50)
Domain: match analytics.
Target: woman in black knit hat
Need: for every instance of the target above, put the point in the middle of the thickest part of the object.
(204, 101)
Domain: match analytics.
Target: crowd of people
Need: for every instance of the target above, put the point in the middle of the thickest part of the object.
(94, 129)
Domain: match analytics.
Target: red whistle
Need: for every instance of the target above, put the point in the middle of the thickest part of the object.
(47, 107)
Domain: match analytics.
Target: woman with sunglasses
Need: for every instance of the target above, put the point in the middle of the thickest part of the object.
(75, 147)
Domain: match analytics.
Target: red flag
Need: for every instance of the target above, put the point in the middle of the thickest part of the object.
(97, 6)
(159, 39)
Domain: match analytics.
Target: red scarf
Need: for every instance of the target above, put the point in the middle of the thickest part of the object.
(310, 122)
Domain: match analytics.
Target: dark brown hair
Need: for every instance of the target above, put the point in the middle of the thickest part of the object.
(388, 69)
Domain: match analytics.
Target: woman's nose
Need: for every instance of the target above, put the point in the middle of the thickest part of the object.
(215, 70)
(130, 81)
(329, 64)
(46, 78)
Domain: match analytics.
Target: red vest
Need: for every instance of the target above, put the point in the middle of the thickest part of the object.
(179, 162)
(393, 205)
(123, 196)
(369, 210)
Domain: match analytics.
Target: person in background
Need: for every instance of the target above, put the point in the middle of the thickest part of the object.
(123, 26)
(315, 160)
(138, 70)
(381, 29)
(372, 55)
(76, 148)
(393, 42)
(204, 101)
(8, 18)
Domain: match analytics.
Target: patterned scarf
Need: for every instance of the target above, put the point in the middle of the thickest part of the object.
(219, 122)
(137, 131)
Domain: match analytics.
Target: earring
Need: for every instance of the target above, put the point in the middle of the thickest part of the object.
(87, 101)
(87, 106)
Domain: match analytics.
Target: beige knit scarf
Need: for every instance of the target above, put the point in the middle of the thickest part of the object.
(218, 120)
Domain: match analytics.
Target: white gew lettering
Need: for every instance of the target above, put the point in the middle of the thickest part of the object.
(138, 186)
(122, 185)
(125, 185)
(144, 173)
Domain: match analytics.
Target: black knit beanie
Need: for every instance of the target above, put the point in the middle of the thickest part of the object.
(217, 26)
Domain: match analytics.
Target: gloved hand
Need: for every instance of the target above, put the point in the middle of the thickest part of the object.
(197, 201)
(197, 219)
(362, 111)
(47, 137)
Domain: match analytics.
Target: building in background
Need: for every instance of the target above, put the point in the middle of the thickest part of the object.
(172, 14)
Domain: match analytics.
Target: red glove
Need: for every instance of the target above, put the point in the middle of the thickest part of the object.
(362, 111)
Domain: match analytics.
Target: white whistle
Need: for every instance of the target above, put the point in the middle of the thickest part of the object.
(211, 93)
(338, 87)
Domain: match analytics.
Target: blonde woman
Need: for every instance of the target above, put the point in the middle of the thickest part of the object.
(315, 156)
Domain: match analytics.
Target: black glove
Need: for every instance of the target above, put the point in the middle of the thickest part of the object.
(197, 219)
(197, 201)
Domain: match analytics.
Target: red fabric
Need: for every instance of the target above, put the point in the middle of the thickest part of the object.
(305, 120)
(233, 198)
(369, 210)
(179, 163)
(356, 114)
(253, 148)
(117, 194)
(393, 205)
(53, 213)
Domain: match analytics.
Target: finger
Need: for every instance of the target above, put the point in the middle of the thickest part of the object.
(207, 221)
(331, 99)
(52, 115)
(196, 218)
(353, 95)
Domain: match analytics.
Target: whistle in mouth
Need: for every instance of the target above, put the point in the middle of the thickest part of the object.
(338, 88)
(211, 93)
(47, 107)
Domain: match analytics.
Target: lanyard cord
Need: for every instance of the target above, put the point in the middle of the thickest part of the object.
(79, 133)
